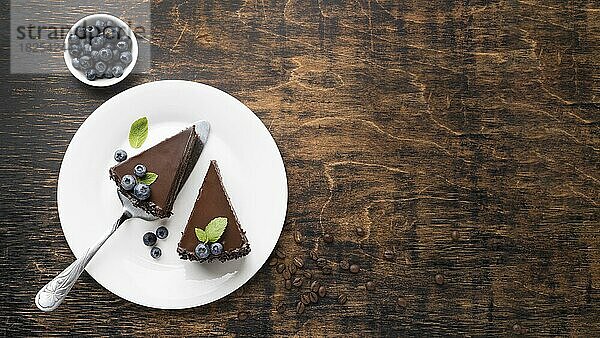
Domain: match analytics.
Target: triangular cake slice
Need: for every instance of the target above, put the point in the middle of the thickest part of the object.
(172, 160)
(213, 202)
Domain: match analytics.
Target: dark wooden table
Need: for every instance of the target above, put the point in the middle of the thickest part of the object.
(461, 137)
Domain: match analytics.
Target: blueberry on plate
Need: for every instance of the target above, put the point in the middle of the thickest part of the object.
(75, 63)
(85, 62)
(140, 170)
(92, 31)
(80, 32)
(95, 55)
(120, 154)
(117, 71)
(162, 232)
(87, 49)
(128, 181)
(149, 239)
(91, 74)
(105, 54)
(126, 57)
(155, 252)
(116, 55)
(98, 42)
(100, 24)
(108, 74)
(101, 68)
(110, 32)
(141, 191)
(202, 251)
(122, 45)
(109, 23)
(75, 50)
(73, 39)
(216, 249)
(109, 46)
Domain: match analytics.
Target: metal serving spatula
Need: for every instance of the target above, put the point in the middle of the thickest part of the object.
(55, 292)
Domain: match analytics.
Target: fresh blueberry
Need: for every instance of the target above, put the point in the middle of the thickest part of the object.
(110, 32)
(107, 74)
(87, 49)
(95, 55)
(100, 24)
(98, 42)
(120, 155)
(80, 32)
(155, 252)
(202, 251)
(128, 182)
(216, 249)
(73, 39)
(126, 57)
(141, 191)
(162, 232)
(105, 54)
(115, 56)
(75, 63)
(109, 23)
(92, 31)
(75, 50)
(101, 68)
(122, 45)
(139, 170)
(117, 71)
(91, 74)
(109, 46)
(149, 239)
(85, 62)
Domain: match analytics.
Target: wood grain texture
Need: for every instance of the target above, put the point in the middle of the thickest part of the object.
(408, 119)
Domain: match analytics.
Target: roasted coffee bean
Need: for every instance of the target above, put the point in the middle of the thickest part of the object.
(321, 262)
(314, 255)
(388, 255)
(454, 235)
(342, 299)
(401, 302)
(288, 284)
(328, 238)
(297, 281)
(313, 297)
(287, 274)
(273, 262)
(280, 307)
(315, 285)
(279, 254)
(243, 315)
(293, 268)
(344, 265)
(326, 270)
(305, 299)
(322, 291)
(307, 274)
(354, 268)
(370, 286)
(299, 308)
(439, 279)
(280, 268)
(360, 231)
(298, 262)
(298, 237)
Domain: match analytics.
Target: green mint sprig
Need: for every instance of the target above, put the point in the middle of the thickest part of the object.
(149, 178)
(138, 132)
(213, 231)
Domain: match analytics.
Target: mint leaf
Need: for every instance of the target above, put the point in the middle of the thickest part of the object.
(138, 132)
(201, 235)
(215, 229)
(149, 178)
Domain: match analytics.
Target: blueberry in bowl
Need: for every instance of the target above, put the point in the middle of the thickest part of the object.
(100, 50)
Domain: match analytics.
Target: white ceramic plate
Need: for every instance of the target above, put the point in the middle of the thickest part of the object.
(253, 174)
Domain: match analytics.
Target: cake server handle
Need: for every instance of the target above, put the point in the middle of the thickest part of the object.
(53, 293)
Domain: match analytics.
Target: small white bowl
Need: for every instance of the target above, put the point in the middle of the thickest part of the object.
(91, 19)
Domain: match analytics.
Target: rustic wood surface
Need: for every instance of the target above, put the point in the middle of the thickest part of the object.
(461, 136)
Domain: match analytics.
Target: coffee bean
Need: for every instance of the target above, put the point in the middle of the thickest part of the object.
(243, 315)
(360, 231)
(313, 297)
(287, 274)
(454, 235)
(401, 302)
(298, 262)
(326, 270)
(299, 308)
(305, 299)
(298, 237)
(342, 299)
(288, 284)
(321, 262)
(328, 238)
(516, 327)
(279, 254)
(354, 268)
(388, 255)
(297, 281)
(307, 274)
(315, 285)
(322, 291)
(313, 255)
(292, 268)
(280, 268)
(280, 307)
(240, 291)
(273, 262)
(344, 265)
(370, 286)
(439, 279)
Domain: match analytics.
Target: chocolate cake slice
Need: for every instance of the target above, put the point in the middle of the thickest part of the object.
(172, 160)
(212, 204)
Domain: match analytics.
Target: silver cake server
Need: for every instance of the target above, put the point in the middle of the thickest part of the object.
(55, 292)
